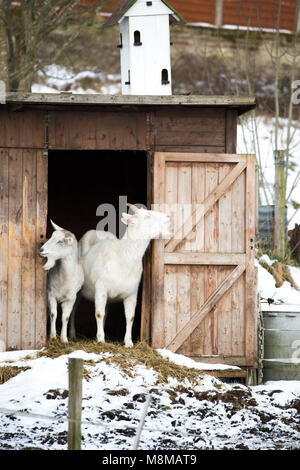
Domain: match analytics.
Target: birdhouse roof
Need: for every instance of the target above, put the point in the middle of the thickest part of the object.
(175, 17)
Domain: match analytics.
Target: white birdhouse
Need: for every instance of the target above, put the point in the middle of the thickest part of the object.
(145, 46)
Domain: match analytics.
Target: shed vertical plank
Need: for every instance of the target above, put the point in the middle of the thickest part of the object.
(231, 130)
(170, 290)
(4, 191)
(41, 229)
(29, 249)
(211, 245)
(184, 198)
(3, 130)
(198, 194)
(145, 333)
(211, 218)
(197, 300)
(158, 323)
(14, 321)
(172, 194)
(223, 311)
(198, 272)
(183, 304)
(238, 317)
(170, 296)
(238, 246)
(250, 291)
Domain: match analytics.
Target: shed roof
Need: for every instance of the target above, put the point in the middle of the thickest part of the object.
(57, 101)
(127, 4)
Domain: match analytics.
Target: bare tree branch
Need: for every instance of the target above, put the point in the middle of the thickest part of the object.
(27, 25)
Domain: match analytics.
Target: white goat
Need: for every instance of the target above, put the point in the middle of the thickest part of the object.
(113, 268)
(65, 277)
(91, 237)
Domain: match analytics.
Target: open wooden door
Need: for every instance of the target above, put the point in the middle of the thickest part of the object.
(203, 278)
(23, 219)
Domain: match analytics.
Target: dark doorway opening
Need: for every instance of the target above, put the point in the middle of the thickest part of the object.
(78, 183)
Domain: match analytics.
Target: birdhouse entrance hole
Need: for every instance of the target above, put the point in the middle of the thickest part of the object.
(137, 38)
(79, 182)
(165, 77)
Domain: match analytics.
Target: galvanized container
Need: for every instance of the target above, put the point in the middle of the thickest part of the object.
(265, 237)
(281, 342)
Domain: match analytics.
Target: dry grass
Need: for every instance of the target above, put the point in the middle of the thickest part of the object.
(8, 372)
(280, 272)
(125, 358)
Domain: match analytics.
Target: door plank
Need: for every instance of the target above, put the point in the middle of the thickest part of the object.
(202, 157)
(4, 191)
(250, 300)
(41, 229)
(204, 258)
(28, 249)
(158, 310)
(14, 286)
(223, 310)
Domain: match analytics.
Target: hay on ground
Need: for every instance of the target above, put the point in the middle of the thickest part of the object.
(8, 372)
(125, 358)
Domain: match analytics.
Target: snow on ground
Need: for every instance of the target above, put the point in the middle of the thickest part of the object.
(179, 359)
(181, 415)
(57, 78)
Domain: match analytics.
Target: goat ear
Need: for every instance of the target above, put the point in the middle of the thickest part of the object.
(56, 227)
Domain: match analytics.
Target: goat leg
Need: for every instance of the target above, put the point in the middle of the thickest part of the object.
(129, 307)
(100, 304)
(72, 332)
(53, 315)
(67, 307)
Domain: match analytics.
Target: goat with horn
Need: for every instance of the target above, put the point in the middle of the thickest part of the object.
(65, 277)
(113, 268)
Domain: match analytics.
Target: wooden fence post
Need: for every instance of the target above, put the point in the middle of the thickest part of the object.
(75, 401)
(279, 203)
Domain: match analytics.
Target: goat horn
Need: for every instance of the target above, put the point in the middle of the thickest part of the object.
(134, 208)
(56, 227)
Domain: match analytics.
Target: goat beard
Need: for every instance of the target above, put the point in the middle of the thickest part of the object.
(49, 264)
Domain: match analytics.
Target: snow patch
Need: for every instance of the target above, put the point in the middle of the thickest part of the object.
(185, 361)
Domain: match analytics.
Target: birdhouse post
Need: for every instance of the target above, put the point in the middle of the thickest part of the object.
(145, 46)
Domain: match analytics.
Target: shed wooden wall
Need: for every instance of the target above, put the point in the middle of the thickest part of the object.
(26, 133)
(196, 129)
(23, 205)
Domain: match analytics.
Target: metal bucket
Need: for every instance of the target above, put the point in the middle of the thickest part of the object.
(281, 342)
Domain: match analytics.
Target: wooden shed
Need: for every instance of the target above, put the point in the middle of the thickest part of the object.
(63, 155)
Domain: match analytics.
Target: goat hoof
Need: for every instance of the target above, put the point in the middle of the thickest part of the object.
(128, 344)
